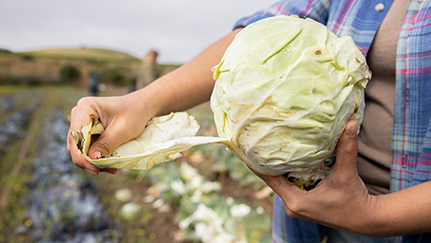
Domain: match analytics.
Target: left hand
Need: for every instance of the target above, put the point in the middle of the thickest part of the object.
(340, 200)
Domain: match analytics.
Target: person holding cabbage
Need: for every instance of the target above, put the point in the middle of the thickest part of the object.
(379, 188)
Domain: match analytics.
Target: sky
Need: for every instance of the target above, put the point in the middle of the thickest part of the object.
(177, 29)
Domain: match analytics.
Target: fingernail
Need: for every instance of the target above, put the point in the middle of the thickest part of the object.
(91, 172)
(353, 133)
(98, 155)
(110, 172)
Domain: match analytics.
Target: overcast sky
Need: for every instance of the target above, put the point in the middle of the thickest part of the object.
(178, 29)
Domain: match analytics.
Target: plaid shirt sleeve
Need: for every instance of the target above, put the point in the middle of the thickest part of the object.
(411, 143)
(315, 9)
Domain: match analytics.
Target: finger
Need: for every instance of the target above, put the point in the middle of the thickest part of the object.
(109, 170)
(80, 114)
(347, 150)
(70, 143)
(79, 117)
(115, 134)
(279, 184)
(292, 196)
(78, 159)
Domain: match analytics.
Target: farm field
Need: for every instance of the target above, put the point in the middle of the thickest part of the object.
(206, 196)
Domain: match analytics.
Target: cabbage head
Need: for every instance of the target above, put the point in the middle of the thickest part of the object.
(284, 90)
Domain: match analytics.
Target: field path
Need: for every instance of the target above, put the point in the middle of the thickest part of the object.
(22, 155)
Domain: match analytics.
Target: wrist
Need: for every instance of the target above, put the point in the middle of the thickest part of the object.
(369, 220)
(383, 218)
(146, 101)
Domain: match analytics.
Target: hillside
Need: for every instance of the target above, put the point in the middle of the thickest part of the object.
(96, 53)
(43, 66)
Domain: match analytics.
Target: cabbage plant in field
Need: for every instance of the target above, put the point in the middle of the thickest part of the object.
(285, 88)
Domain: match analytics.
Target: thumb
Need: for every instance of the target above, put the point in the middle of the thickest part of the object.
(347, 149)
(113, 136)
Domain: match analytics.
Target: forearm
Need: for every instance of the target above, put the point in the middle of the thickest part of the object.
(185, 87)
(401, 213)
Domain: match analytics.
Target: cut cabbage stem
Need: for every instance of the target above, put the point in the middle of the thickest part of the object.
(308, 179)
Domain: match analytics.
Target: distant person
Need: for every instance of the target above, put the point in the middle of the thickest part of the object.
(93, 84)
(132, 84)
(147, 72)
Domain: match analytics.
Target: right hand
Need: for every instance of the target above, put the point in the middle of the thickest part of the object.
(122, 118)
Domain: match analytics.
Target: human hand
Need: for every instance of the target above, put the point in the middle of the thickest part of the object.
(122, 119)
(340, 200)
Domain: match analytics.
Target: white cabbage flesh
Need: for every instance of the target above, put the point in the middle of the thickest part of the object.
(162, 140)
(284, 90)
